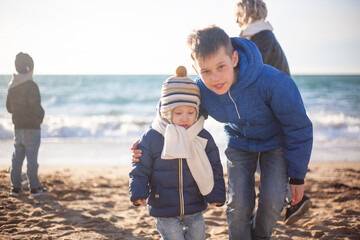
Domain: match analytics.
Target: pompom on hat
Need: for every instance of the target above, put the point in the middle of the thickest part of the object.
(178, 90)
(24, 63)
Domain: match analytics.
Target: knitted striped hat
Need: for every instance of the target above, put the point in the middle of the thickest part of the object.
(177, 91)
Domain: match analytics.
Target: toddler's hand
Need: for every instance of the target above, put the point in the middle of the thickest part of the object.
(140, 202)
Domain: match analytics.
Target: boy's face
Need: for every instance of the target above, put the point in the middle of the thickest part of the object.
(217, 71)
(184, 116)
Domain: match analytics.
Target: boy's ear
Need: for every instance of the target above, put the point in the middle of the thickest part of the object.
(235, 58)
(195, 69)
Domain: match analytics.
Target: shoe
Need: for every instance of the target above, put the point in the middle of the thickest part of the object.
(38, 191)
(294, 212)
(15, 192)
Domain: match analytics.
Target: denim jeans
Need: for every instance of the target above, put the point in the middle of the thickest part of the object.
(241, 192)
(27, 143)
(189, 227)
(288, 197)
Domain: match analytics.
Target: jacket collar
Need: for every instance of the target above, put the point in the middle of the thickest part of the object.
(19, 79)
(249, 30)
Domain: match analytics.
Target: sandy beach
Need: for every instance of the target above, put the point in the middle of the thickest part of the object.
(93, 203)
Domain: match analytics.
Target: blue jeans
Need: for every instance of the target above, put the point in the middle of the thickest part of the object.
(190, 227)
(27, 143)
(241, 192)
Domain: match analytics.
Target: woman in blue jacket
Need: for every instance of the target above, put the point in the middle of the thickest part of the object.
(180, 170)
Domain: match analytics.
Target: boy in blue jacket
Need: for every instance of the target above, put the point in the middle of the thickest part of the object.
(180, 171)
(264, 118)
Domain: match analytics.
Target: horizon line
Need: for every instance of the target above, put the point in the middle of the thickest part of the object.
(191, 74)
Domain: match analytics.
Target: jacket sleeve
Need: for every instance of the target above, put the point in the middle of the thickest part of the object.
(140, 173)
(34, 103)
(286, 103)
(217, 195)
(271, 51)
(8, 105)
(265, 44)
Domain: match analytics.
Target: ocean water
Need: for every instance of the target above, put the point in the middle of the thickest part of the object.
(116, 110)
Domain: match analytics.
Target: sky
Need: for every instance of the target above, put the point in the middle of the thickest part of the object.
(149, 36)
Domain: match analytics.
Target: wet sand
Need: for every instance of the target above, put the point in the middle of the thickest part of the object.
(93, 203)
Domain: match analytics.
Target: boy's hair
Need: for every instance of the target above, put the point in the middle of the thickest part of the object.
(206, 42)
(24, 63)
(249, 11)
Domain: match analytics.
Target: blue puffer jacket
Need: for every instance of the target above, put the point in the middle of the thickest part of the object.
(262, 111)
(168, 184)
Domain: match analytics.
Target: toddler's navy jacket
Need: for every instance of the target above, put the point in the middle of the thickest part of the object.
(168, 184)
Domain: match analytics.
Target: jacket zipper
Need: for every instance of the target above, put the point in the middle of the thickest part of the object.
(237, 111)
(181, 194)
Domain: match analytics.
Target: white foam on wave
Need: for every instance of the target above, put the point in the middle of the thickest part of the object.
(336, 137)
(328, 127)
(85, 127)
(335, 127)
(6, 127)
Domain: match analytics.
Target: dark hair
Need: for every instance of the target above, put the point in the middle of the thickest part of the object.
(24, 63)
(207, 41)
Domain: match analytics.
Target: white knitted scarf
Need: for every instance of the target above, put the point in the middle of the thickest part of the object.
(185, 143)
(249, 30)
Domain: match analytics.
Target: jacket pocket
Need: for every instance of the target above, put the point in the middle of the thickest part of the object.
(169, 196)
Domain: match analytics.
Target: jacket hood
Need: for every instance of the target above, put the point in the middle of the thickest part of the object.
(249, 30)
(19, 79)
(250, 62)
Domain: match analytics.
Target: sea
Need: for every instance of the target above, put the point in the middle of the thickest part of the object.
(94, 119)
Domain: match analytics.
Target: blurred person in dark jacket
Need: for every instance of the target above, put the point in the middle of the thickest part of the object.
(251, 15)
(24, 103)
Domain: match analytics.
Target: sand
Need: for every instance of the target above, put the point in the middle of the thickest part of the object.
(93, 203)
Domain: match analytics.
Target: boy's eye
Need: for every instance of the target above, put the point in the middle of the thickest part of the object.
(221, 66)
(205, 72)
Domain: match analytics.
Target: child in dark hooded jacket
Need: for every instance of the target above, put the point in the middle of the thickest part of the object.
(180, 170)
(24, 103)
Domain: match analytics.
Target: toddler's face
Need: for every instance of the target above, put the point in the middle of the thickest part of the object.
(217, 71)
(184, 116)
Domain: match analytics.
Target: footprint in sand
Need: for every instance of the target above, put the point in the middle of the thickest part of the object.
(97, 212)
(109, 204)
(212, 223)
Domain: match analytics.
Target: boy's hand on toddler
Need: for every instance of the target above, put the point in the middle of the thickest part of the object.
(140, 202)
(136, 153)
(216, 204)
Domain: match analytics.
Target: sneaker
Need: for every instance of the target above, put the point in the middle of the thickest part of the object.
(15, 192)
(39, 191)
(294, 212)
